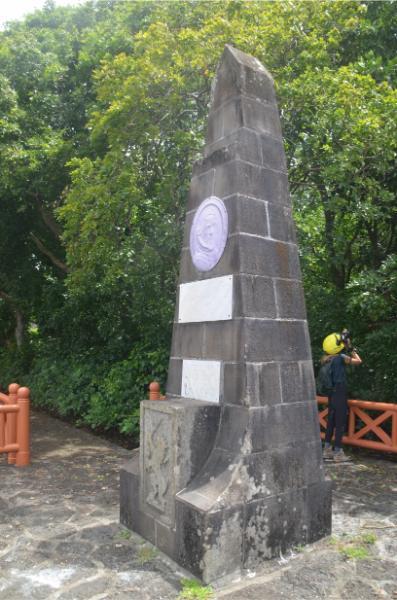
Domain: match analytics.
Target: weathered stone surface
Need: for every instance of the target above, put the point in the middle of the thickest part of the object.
(239, 177)
(259, 486)
(176, 438)
(239, 73)
(289, 299)
(247, 215)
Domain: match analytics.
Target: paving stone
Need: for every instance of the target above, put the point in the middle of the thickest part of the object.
(90, 557)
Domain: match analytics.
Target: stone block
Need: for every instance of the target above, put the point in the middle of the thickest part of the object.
(129, 491)
(187, 340)
(283, 468)
(274, 525)
(227, 265)
(254, 297)
(290, 299)
(237, 75)
(297, 381)
(273, 154)
(247, 215)
(176, 438)
(247, 179)
(291, 382)
(242, 144)
(223, 340)
(263, 384)
(201, 187)
(281, 223)
(165, 539)
(268, 258)
(308, 381)
(234, 383)
(242, 112)
(261, 117)
(214, 127)
(283, 424)
(318, 510)
(220, 340)
(174, 379)
(209, 544)
(131, 514)
(233, 429)
(271, 340)
(252, 384)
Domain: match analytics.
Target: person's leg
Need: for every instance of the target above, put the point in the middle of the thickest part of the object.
(330, 423)
(340, 404)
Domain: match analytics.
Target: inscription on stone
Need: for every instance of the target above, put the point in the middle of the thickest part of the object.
(207, 300)
(201, 379)
(208, 234)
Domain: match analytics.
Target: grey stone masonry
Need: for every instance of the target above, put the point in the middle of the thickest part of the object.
(230, 470)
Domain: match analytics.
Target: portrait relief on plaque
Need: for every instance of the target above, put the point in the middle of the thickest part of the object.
(208, 234)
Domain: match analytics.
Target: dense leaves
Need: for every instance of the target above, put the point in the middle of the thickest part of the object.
(102, 112)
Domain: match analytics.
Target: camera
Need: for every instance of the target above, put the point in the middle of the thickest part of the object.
(346, 337)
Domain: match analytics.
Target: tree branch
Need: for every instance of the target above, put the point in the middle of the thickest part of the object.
(48, 218)
(55, 261)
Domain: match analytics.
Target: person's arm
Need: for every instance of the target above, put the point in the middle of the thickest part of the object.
(353, 359)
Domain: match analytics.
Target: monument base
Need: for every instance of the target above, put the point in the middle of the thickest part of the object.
(217, 543)
(231, 511)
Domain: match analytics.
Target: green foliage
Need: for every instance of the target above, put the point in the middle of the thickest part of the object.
(146, 554)
(194, 590)
(354, 552)
(357, 548)
(103, 110)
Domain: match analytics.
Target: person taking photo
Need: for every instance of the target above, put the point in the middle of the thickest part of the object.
(339, 351)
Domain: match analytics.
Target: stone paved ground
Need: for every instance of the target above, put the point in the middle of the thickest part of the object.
(60, 538)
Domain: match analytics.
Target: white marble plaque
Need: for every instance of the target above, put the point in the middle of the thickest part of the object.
(207, 300)
(201, 380)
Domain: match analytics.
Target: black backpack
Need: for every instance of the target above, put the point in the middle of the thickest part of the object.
(325, 385)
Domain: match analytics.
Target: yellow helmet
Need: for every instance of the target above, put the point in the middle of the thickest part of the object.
(333, 343)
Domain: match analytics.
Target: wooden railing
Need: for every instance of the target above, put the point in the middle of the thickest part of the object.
(14, 425)
(375, 419)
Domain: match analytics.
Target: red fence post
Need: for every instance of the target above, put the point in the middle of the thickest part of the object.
(11, 425)
(23, 428)
(154, 391)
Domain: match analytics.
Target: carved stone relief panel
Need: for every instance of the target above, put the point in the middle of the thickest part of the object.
(158, 446)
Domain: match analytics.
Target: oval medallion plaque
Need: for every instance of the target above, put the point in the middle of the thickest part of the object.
(208, 234)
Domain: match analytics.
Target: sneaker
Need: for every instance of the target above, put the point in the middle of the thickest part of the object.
(328, 453)
(340, 456)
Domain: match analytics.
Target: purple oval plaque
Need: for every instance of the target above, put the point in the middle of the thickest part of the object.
(208, 234)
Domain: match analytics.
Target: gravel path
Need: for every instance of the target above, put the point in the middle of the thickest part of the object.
(61, 539)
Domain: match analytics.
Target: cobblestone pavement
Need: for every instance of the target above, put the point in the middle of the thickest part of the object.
(60, 538)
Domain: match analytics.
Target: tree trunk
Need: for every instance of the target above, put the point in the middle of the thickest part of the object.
(19, 328)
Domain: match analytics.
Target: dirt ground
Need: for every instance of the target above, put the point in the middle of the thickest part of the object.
(60, 538)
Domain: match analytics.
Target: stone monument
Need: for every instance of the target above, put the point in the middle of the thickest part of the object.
(230, 470)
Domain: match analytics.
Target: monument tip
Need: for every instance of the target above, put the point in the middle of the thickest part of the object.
(240, 74)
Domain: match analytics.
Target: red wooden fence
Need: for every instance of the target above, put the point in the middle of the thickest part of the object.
(376, 420)
(14, 425)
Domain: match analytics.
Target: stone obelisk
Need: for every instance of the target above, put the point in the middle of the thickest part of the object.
(230, 469)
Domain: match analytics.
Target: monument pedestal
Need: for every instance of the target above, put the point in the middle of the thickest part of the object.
(176, 439)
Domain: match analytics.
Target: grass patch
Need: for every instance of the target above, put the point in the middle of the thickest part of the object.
(368, 538)
(354, 547)
(146, 554)
(354, 551)
(193, 590)
(124, 534)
